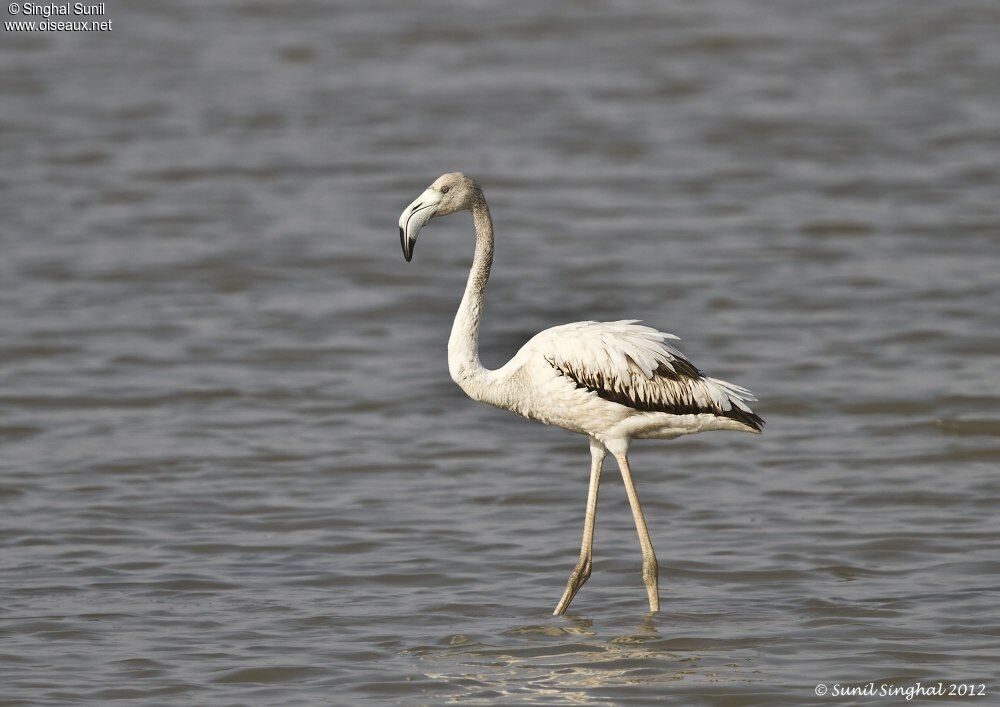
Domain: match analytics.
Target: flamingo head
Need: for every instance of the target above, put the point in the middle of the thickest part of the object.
(449, 193)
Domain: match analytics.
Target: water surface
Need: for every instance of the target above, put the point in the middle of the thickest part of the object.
(235, 469)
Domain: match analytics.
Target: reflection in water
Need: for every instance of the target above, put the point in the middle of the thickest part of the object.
(580, 665)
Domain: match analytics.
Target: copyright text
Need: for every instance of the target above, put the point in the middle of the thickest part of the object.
(907, 692)
(87, 17)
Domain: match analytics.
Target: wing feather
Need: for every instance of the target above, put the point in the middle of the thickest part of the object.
(631, 364)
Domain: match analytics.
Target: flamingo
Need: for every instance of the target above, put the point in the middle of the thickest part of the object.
(612, 381)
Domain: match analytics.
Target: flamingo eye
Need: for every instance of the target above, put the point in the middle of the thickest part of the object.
(444, 190)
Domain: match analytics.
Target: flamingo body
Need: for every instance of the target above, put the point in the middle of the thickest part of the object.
(614, 380)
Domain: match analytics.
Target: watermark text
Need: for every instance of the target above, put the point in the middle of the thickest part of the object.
(85, 17)
(907, 692)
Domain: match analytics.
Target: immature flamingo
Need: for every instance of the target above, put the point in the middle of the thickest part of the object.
(612, 381)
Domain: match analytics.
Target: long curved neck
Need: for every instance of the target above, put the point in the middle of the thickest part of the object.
(463, 345)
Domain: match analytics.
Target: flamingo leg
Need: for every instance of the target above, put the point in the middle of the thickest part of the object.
(650, 570)
(581, 573)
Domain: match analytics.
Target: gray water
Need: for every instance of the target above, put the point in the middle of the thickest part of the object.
(234, 467)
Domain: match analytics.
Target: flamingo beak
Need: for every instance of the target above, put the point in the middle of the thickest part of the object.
(414, 217)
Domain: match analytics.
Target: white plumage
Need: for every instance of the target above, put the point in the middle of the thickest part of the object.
(631, 365)
(612, 381)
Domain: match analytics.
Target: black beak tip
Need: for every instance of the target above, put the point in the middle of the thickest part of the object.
(407, 252)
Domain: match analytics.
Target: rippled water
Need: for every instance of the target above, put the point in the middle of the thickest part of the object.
(235, 469)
